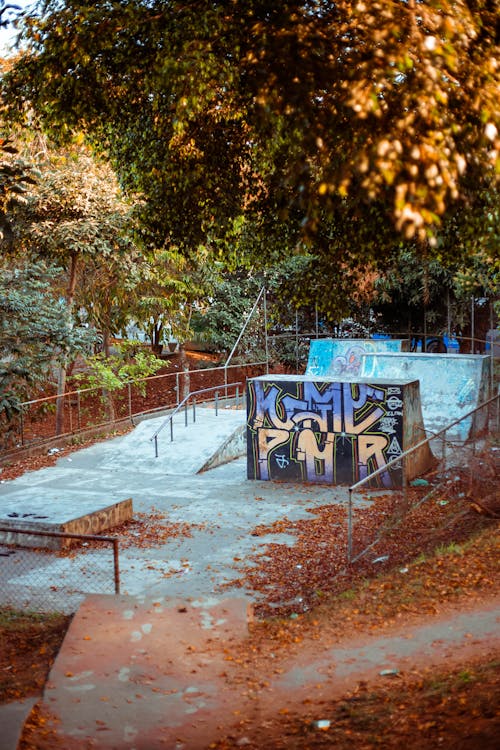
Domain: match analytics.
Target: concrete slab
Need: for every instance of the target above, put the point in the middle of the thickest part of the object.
(307, 428)
(193, 447)
(221, 507)
(209, 442)
(91, 517)
(451, 385)
(12, 719)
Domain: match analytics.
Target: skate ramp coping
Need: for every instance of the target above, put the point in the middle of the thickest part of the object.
(342, 357)
(451, 385)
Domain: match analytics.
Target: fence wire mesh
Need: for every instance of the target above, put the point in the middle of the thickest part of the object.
(386, 525)
(55, 580)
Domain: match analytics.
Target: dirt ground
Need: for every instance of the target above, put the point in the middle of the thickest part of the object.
(449, 703)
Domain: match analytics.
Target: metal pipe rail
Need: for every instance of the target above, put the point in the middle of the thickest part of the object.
(402, 459)
(184, 404)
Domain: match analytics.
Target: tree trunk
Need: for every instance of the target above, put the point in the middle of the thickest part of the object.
(184, 368)
(61, 376)
(107, 396)
(156, 346)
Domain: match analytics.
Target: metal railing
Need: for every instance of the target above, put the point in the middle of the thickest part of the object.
(84, 410)
(47, 579)
(401, 461)
(184, 405)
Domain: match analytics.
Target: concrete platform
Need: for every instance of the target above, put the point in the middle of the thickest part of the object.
(307, 428)
(342, 357)
(38, 515)
(12, 719)
(144, 672)
(211, 441)
(220, 508)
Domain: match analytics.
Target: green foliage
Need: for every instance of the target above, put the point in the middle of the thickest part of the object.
(169, 288)
(36, 331)
(231, 301)
(126, 367)
(263, 131)
(16, 176)
(277, 120)
(411, 288)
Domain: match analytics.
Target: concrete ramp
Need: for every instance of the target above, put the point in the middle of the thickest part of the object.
(145, 672)
(451, 385)
(208, 442)
(342, 357)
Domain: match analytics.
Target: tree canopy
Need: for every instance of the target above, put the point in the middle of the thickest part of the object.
(288, 118)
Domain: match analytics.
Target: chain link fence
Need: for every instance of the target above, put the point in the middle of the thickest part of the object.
(47, 580)
(465, 477)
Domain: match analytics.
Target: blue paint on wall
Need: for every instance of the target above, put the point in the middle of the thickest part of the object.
(342, 357)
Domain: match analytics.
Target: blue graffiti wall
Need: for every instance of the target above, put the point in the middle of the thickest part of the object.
(343, 357)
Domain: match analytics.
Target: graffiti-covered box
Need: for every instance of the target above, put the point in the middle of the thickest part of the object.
(301, 429)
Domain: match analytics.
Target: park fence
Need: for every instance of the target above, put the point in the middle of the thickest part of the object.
(90, 410)
(38, 579)
(465, 472)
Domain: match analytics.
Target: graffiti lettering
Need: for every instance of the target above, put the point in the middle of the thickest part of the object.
(326, 432)
(282, 461)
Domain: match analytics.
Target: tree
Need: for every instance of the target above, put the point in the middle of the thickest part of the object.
(413, 296)
(312, 114)
(36, 333)
(73, 216)
(220, 322)
(170, 286)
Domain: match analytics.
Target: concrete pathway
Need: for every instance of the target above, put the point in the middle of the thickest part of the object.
(222, 506)
(146, 670)
(142, 673)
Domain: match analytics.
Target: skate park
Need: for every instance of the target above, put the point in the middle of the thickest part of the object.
(330, 431)
(193, 481)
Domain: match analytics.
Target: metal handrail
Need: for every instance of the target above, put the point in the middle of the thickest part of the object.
(184, 403)
(401, 459)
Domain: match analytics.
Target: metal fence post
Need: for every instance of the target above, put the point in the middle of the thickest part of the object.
(194, 410)
(116, 562)
(349, 528)
(78, 410)
(405, 484)
(216, 403)
(186, 414)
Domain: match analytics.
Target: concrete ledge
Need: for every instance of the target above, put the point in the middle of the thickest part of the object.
(32, 517)
(12, 719)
